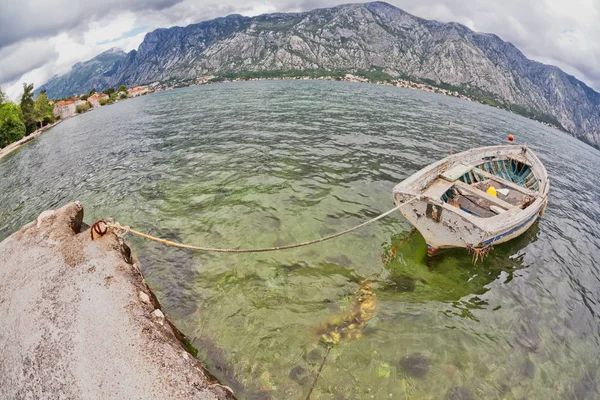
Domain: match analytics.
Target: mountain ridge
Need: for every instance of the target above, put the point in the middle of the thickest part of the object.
(361, 36)
(85, 75)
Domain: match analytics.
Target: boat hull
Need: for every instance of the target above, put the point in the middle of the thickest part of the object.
(446, 230)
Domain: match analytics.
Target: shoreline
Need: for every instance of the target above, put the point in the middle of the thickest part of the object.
(397, 82)
(80, 322)
(33, 135)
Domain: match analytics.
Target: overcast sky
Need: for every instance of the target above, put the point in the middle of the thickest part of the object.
(41, 38)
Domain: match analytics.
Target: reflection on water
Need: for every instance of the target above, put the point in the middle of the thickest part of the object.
(274, 163)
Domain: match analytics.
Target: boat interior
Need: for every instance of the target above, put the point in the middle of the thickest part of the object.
(467, 186)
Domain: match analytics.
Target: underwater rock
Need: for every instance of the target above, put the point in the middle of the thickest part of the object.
(294, 266)
(586, 388)
(262, 395)
(528, 369)
(349, 325)
(177, 281)
(503, 390)
(415, 365)
(577, 321)
(299, 375)
(271, 221)
(312, 357)
(156, 194)
(528, 332)
(459, 393)
(217, 358)
(401, 283)
(340, 260)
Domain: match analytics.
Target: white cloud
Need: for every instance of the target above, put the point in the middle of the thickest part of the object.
(67, 49)
(113, 28)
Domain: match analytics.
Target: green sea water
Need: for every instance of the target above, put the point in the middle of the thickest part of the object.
(273, 163)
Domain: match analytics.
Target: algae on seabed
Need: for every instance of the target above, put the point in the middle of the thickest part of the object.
(349, 324)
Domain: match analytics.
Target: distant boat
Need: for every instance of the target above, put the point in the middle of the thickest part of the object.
(475, 199)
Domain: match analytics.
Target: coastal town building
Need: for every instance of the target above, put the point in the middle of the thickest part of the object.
(353, 78)
(65, 109)
(137, 91)
(94, 99)
(204, 79)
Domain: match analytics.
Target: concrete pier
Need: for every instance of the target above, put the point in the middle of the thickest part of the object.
(79, 321)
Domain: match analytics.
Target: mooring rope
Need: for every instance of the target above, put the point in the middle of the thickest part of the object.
(312, 387)
(101, 227)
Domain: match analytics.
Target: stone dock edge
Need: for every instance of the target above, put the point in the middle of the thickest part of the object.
(80, 322)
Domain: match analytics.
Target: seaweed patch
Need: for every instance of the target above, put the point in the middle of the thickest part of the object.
(349, 324)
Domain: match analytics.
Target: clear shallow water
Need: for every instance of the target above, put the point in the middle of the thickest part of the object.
(271, 163)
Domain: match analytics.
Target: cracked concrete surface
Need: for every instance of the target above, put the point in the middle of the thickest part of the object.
(79, 322)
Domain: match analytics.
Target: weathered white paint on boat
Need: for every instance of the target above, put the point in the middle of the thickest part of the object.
(446, 226)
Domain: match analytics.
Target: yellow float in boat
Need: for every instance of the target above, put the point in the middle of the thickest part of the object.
(492, 191)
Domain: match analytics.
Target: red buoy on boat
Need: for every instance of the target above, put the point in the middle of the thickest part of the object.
(511, 138)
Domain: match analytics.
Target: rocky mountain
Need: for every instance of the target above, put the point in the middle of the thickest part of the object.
(356, 37)
(83, 76)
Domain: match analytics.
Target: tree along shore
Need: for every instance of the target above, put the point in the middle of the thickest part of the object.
(20, 120)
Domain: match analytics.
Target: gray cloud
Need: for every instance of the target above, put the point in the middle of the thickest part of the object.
(23, 57)
(31, 19)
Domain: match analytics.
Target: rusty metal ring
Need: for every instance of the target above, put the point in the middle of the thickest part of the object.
(97, 227)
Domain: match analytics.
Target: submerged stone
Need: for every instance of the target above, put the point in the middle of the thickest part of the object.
(178, 282)
(415, 365)
(402, 283)
(294, 266)
(340, 260)
(312, 357)
(528, 369)
(586, 388)
(262, 395)
(272, 222)
(299, 374)
(348, 325)
(459, 393)
(527, 331)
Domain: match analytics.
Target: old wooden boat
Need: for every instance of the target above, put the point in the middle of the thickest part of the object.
(475, 199)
